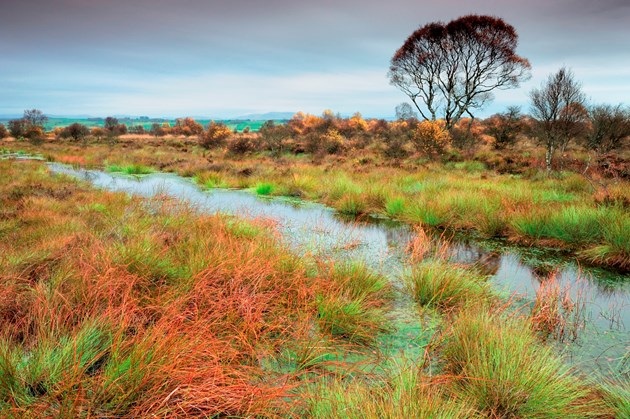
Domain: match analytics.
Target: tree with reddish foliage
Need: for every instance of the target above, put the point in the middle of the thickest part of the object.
(449, 69)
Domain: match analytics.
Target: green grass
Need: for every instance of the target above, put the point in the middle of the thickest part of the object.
(508, 373)
(264, 188)
(395, 207)
(353, 307)
(405, 394)
(132, 169)
(352, 204)
(437, 283)
(617, 396)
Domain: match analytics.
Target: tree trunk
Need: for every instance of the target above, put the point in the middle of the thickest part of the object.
(549, 157)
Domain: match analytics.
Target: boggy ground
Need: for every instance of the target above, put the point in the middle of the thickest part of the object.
(587, 216)
(117, 307)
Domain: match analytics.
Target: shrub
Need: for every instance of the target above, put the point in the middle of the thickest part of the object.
(215, 136)
(75, 131)
(243, 144)
(187, 127)
(274, 137)
(17, 128)
(431, 138)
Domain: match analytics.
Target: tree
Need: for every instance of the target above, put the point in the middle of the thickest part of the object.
(505, 127)
(609, 126)
(111, 123)
(34, 118)
(558, 107)
(404, 111)
(3, 131)
(448, 70)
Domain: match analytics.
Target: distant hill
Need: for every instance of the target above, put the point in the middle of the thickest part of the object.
(265, 116)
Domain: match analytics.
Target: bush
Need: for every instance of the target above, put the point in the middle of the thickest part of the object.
(331, 142)
(215, 136)
(17, 128)
(3, 131)
(243, 144)
(274, 137)
(187, 127)
(75, 131)
(431, 138)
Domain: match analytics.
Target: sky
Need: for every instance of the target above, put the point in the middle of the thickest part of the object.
(224, 58)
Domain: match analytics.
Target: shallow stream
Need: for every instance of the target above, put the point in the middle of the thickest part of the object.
(318, 230)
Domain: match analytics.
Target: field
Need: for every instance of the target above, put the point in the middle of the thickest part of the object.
(118, 305)
(53, 122)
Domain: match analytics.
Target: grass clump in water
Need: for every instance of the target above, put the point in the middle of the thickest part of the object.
(508, 373)
(264, 188)
(394, 207)
(351, 204)
(352, 306)
(437, 283)
(132, 169)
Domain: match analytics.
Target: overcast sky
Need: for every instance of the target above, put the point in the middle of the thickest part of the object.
(223, 58)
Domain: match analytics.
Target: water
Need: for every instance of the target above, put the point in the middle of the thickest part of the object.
(315, 229)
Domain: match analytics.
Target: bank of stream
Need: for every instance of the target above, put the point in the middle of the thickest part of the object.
(308, 228)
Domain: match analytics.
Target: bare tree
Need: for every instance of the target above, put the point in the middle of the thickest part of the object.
(404, 112)
(558, 107)
(35, 118)
(610, 125)
(447, 70)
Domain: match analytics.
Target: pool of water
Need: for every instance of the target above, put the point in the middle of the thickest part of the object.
(318, 230)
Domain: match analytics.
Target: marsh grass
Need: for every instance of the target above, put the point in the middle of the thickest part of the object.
(556, 313)
(438, 283)
(403, 394)
(264, 188)
(395, 207)
(132, 169)
(117, 307)
(616, 396)
(353, 306)
(529, 208)
(508, 373)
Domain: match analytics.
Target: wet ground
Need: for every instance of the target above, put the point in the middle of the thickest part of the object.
(317, 230)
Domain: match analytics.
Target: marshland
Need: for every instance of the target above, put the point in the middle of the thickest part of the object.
(460, 259)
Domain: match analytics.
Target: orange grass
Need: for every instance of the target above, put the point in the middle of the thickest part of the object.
(109, 310)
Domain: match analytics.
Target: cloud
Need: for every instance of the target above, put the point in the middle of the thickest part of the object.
(196, 56)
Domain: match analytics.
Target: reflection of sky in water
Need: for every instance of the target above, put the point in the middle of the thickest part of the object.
(313, 228)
